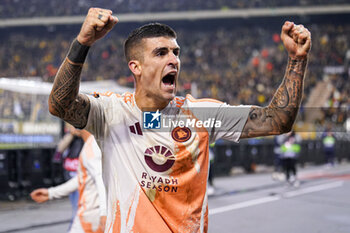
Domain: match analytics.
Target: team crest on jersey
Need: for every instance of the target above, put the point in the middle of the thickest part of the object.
(159, 158)
(181, 134)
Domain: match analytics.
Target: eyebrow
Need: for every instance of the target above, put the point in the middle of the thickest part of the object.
(159, 49)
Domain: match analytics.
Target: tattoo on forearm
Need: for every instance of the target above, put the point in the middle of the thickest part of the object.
(65, 100)
(280, 115)
(281, 97)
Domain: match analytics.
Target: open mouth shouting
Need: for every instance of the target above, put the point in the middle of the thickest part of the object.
(169, 80)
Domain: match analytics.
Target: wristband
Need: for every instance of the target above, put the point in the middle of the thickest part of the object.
(78, 52)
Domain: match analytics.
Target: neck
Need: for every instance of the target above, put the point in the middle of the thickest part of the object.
(149, 103)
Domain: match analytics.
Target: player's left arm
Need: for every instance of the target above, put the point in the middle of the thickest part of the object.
(278, 117)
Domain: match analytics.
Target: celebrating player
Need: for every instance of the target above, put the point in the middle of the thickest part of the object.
(91, 213)
(156, 179)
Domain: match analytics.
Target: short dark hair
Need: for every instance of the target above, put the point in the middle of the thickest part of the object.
(146, 31)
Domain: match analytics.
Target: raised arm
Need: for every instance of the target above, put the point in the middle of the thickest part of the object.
(65, 101)
(278, 117)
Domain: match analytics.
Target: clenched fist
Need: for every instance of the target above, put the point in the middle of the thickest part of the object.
(296, 40)
(40, 195)
(97, 24)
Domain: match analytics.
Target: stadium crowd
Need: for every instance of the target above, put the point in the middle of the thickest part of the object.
(43, 8)
(23, 107)
(216, 62)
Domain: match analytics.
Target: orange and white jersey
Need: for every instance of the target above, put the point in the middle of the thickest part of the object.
(156, 178)
(92, 194)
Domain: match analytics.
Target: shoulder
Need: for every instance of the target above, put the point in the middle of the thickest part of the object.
(127, 97)
(203, 102)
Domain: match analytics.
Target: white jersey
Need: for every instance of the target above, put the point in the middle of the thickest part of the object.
(92, 195)
(156, 179)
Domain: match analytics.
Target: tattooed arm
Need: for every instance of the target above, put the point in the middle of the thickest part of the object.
(65, 101)
(278, 117)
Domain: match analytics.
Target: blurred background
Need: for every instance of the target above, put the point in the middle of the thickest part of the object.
(230, 50)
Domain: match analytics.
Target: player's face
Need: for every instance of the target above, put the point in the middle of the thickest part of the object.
(160, 68)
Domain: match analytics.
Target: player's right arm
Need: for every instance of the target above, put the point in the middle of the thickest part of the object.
(65, 101)
(43, 194)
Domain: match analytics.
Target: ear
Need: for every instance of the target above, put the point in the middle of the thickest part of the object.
(135, 67)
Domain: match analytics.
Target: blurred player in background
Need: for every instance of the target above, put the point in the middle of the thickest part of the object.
(91, 213)
(329, 142)
(72, 144)
(67, 155)
(290, 150)
(156, 180)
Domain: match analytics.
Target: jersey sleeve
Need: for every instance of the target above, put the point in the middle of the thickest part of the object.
(225, 121)
(97, 117)
(64, 189)
(233, 119)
